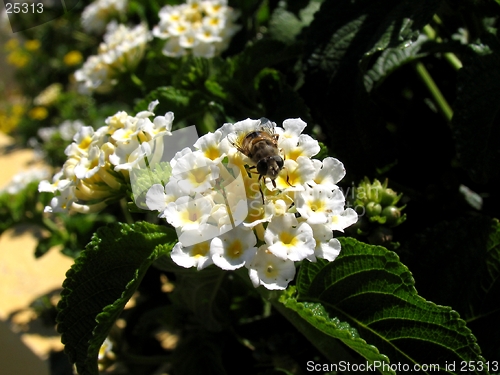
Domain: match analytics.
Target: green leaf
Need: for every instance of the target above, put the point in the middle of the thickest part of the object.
(285, 26)
(476, 120)
(344, 31)
(262, 54)
(100, 283)
(368, 288)
(184, 103)
(338, 46)
(192, 73)
(326, 332)
(392, 59)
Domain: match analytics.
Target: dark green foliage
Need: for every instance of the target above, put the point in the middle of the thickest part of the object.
(349, 69)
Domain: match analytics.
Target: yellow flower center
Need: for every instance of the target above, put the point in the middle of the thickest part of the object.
(200, 249)
(198, 175)
(288, 239)
(190, 216)
(271, 271)
(212, 152)
(235, 250)
(294, 154)
(85, 143)
(316, 205)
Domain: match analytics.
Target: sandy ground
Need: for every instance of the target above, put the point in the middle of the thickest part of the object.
(24, 348)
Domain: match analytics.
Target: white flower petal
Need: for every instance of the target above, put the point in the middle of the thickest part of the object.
(343, 220)
(271, 272)
(233, 249)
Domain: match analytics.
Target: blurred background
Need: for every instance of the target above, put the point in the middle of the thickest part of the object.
(26, 283)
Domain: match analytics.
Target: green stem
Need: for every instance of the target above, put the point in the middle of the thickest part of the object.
(453, 60)
(125, 211)
(136, 80)
(449, 56)
(443, 105)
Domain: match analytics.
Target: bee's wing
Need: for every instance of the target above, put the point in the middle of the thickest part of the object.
(235, 139)
(267, 125)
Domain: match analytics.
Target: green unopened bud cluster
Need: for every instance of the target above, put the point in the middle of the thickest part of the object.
(379, 202)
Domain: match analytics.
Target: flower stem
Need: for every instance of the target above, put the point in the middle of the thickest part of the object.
(449, 56)
(443, 105)
(125, 211)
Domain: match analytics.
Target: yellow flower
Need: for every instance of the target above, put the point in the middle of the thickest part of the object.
(10, 117)
(32, 45)
(18, 59)
(38, 113)
(17, 110)
(11, 45)
(73, 58)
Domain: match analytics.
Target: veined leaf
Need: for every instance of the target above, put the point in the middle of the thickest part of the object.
(100, 283)
(338, 45)
(371, 291)
(344, 31)
(391, 59)
(326, 332)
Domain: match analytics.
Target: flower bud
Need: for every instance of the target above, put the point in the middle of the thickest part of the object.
(379, 202)
(373, 209)
(388, 197)
(393, 215)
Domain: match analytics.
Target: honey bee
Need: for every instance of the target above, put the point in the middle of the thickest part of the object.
(261, 147)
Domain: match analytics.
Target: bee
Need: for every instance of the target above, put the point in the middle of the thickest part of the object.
(261, 147)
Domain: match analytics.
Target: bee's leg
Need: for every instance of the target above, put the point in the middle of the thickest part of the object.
(288, 180)
(260, 188)
(247, 169)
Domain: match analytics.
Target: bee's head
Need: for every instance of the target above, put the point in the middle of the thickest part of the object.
(270, 166)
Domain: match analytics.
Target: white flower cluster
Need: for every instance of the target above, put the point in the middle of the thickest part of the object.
(203, 28)
(99, 161)
(96, 16)
(48, 96)
(66, 131)
(217, 207)
(122, 50)
(22, 179)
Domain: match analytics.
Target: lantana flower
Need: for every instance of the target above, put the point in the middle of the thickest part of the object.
(22, 179)
(122, 50)
(96, 15)
(202, 28)
(228, 215)
(97, 169)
